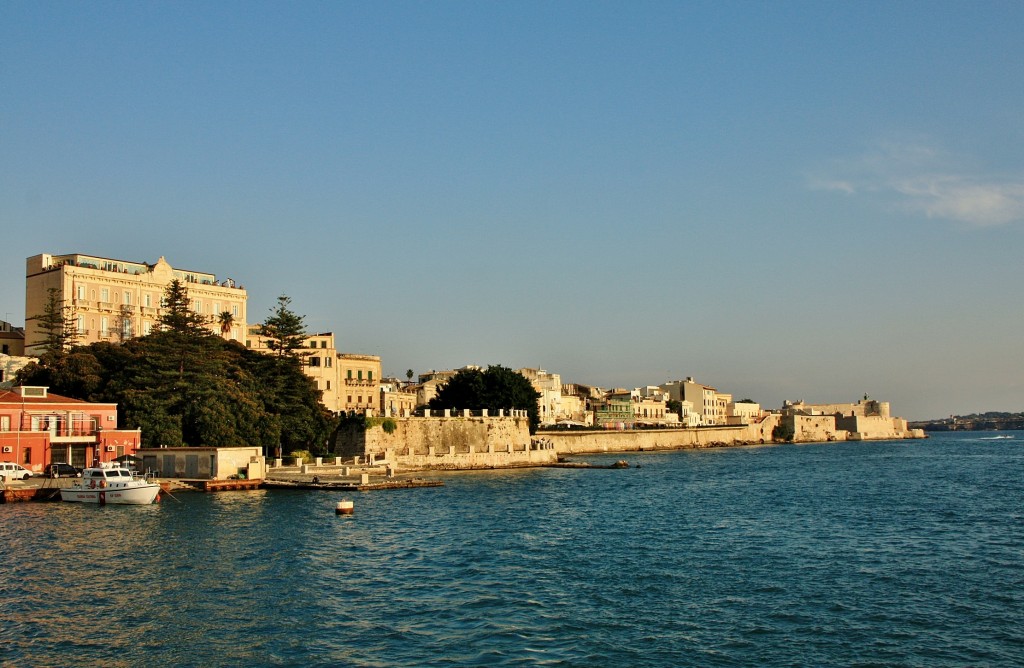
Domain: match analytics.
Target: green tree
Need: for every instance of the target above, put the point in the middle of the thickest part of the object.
(409, 374)
(494, 388)
(284, 329)
(58, 327)
(178, 315)
(224, 395)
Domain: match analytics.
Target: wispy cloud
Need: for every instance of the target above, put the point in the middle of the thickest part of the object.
(928, 181)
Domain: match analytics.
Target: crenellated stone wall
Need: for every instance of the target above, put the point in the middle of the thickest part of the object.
(447, 441)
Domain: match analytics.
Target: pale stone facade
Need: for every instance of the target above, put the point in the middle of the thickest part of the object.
(702, 397)
(12, 339)
(9, 368)
(549, 385)
(359, 381)
(743, 412)
(396, 398)
(116, 299)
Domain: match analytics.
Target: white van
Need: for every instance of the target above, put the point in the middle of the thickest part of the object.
(12, 471)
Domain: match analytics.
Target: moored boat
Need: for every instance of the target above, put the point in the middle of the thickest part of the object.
(111, 484)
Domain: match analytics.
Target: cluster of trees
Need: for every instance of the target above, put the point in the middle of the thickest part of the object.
(183, 385)
(493, 388)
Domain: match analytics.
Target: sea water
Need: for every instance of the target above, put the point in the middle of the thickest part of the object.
(905, 553)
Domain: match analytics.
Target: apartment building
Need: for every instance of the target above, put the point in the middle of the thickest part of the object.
(111, 300)
(38, 428)
(702, 397)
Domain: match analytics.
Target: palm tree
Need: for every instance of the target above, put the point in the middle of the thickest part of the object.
(226, 321)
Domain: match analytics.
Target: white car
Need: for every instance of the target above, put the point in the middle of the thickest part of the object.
(12, 471)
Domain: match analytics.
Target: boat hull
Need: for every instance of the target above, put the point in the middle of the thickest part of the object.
(133, 496)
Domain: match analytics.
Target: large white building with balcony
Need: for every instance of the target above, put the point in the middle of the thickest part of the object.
(112, 300)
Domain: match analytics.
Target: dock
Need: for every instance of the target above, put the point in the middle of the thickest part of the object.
(344, 486)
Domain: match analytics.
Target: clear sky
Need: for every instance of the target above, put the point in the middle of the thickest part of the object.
(786, 200)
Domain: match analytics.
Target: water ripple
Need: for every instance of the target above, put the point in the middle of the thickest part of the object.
(875, 554)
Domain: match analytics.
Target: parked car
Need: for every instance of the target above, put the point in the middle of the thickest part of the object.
(12, 471)
(63, 470)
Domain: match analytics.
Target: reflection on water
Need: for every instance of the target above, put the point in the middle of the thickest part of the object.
(884, 553)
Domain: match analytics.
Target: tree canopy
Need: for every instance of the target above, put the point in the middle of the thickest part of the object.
(494, 388)
(187, 390)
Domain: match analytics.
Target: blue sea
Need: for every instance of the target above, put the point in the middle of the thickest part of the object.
(907, 553)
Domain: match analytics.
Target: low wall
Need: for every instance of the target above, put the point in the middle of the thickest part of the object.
(578, 442)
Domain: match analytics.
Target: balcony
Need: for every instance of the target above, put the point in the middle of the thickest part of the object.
(62, 429)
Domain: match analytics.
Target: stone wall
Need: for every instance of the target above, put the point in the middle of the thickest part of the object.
(450, 442)
(570, 442)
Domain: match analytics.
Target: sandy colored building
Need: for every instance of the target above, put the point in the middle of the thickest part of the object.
(396, 398)
(12, 339)
(111, 300)
(360, 382)
(347, 381)
(703, 398)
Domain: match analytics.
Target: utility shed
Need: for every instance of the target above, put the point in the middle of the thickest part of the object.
(244, 462)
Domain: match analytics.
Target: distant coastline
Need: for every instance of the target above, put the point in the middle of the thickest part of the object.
(975, 422)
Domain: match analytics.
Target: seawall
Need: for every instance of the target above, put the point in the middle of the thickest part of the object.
(448, 442)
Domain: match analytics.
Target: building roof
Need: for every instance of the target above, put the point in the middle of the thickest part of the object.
(13, 396)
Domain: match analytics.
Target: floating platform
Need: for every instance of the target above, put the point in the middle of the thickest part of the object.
(342, 486)
(225, 485)
(621, 464)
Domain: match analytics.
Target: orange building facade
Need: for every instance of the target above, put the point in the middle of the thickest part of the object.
(38, 428)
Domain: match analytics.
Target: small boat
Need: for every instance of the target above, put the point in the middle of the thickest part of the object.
(111, 484)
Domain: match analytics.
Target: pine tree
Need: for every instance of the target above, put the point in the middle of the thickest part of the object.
(284, 329)
(59, 328)
(178, 315)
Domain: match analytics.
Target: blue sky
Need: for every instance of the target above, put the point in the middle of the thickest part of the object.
(785, 200)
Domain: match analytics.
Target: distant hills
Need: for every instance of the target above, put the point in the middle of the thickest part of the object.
(992, 421)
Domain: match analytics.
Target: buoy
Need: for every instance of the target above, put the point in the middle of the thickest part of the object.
(344, 507)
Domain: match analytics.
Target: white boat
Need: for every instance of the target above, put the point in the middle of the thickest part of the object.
(111, 484)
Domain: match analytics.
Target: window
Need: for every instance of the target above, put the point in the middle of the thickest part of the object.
(103, 326)
(348, 374)
(312, 344)
(234, 310)
(81, 292)
(350, 398)
(148, 300)
(216, 307)
(126, 327)
(327, 361)
(104, 295)
(147, 328)
(5, 422)
(127, 297)
(328, 385)
(28, 457)
(314, 361)
(323, 344)
(360, 398)
(199, 306)
(6, 350)
(360, 374)
(369, 375)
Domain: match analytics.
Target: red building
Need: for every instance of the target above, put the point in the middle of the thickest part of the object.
(38, 428)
